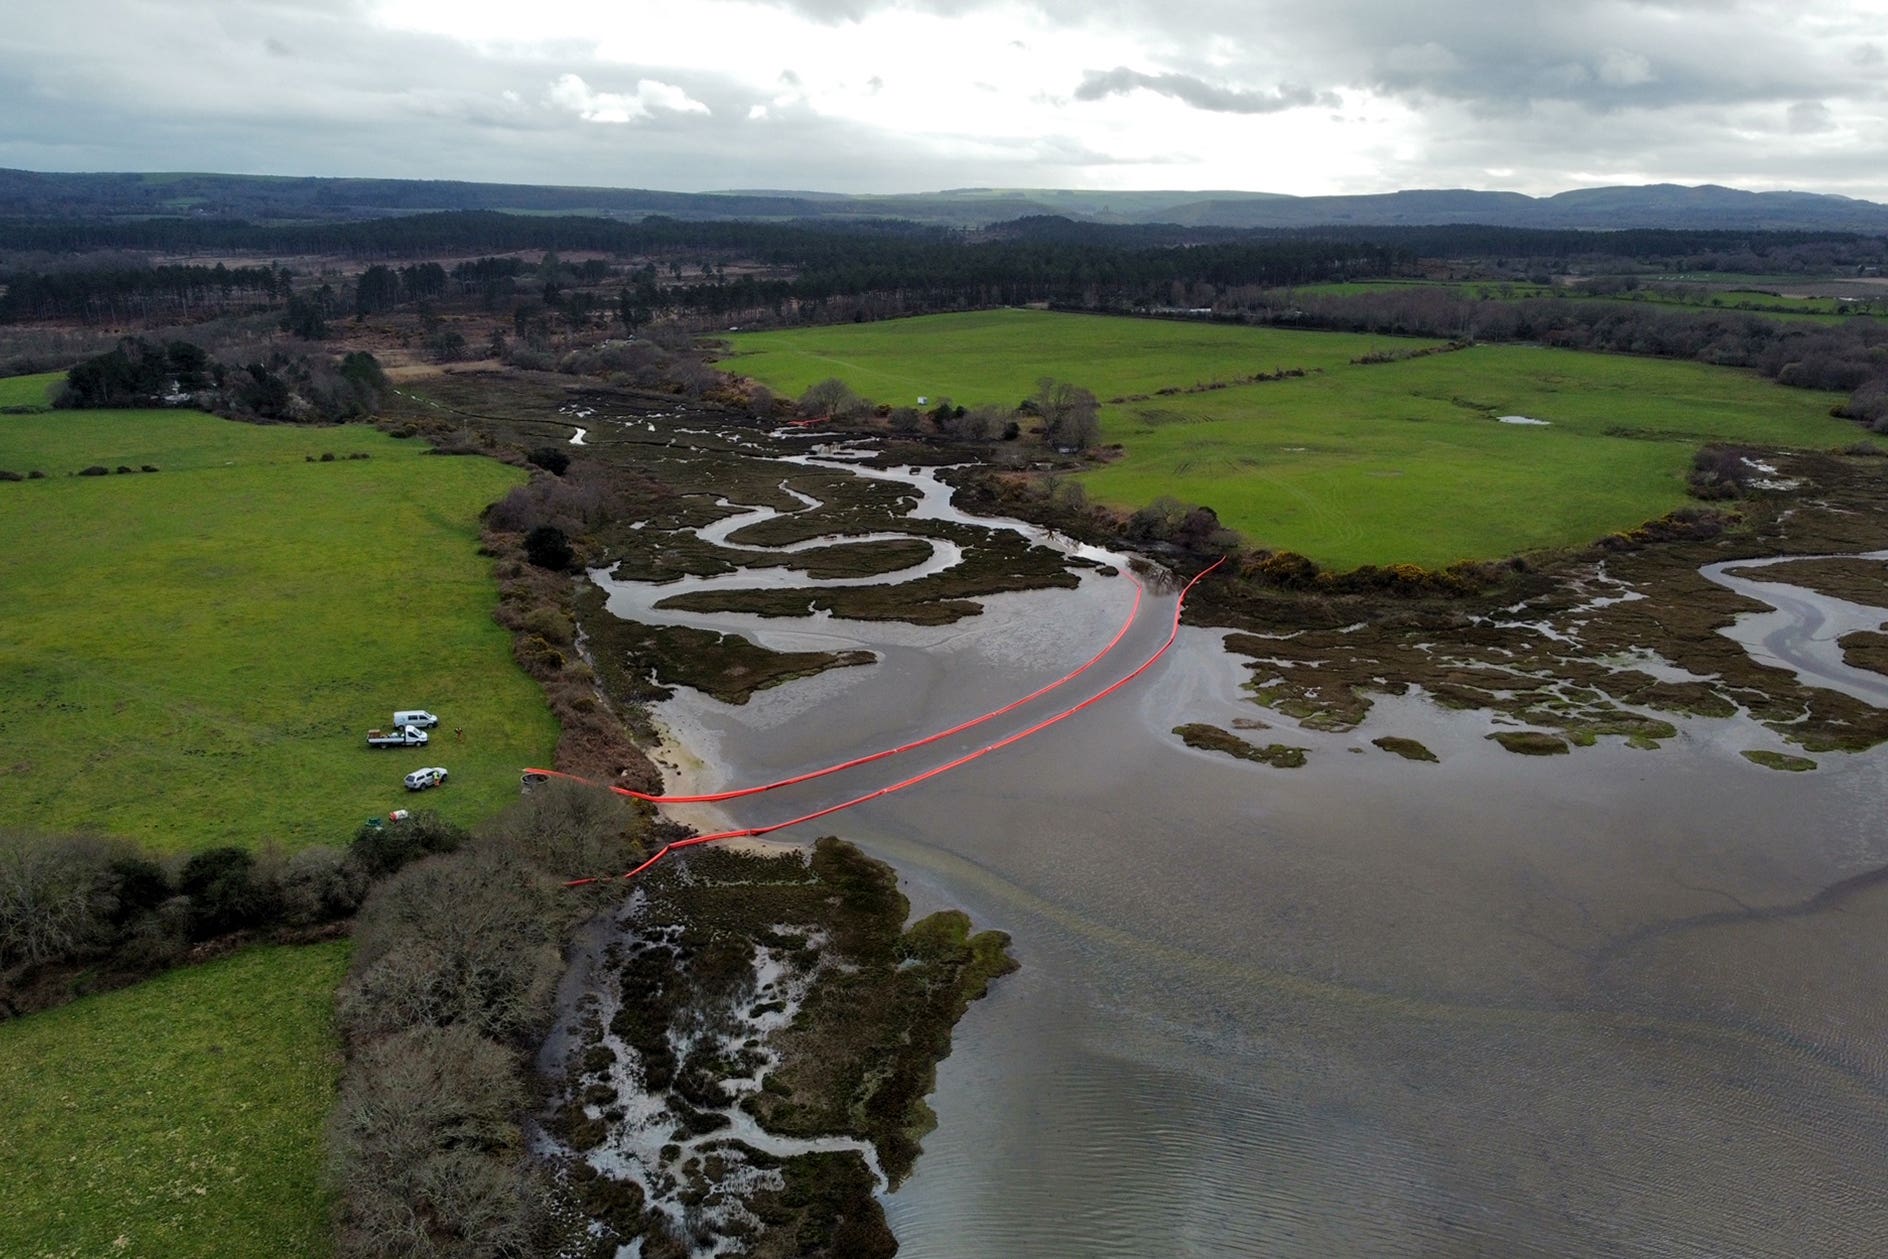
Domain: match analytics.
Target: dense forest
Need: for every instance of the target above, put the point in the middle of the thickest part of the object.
(50, 272)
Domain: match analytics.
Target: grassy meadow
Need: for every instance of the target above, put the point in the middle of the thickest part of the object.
(1408, 461)
(1351, 464)
(997, 356)
(1727, 301)
(29, 391)
(192, 657)
(178, 1118)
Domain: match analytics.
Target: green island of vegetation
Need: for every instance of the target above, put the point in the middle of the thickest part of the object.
(1778, 760)
(1210, 738)
(1408, 749)
(1530, 742)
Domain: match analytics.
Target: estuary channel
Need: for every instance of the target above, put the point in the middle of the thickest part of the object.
(1618, 1002)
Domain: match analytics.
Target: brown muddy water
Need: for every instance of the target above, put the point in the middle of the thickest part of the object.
(1620, 1002)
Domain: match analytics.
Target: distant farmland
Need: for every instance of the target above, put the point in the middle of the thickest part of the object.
(1404, 461)
(997, 356)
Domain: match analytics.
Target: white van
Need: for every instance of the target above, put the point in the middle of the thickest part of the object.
(417, 717)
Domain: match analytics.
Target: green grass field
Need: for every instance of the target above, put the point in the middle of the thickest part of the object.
(1824, 310)
(998, 355)
(1406, 461)
(181, 1117)
(1354, 464)
(29, 391)
(192, 657)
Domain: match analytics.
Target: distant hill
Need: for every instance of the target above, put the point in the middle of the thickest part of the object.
(1650, 205)
(266, 198)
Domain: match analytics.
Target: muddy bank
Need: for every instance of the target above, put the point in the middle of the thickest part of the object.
(1618, 646)
(745, 1052)
(644, 663)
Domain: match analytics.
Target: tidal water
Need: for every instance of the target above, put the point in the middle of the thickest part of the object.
(1619, 1002)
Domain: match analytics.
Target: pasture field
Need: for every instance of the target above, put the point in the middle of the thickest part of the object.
(29, 391)
(1409, 462)
(997, 356)
(192, 656)
(181, 1117)
(1352, 464)
(1823, 310)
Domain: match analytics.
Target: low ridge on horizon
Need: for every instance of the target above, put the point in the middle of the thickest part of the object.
(1598, 207)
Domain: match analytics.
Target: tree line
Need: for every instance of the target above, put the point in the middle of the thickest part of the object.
(307, 387)
(1847, 357)
(123, 294)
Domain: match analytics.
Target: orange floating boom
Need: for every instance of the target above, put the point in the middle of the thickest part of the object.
(959, 728)
(747, 832)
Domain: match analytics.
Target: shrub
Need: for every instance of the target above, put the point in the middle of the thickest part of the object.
(571, 829)
(225, 893)
(550, 458)
(320, 884)
(833, 397)
(10, 476)
(137, 884)
(469, 939)
(552, 624)
(53, 900)
(423, 1141)
(547, 546)
(95, 470)
(1157, 521)
(381, 850)
(1287, 570)
(537, 657)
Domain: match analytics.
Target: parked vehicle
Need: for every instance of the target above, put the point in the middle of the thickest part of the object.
(421, 779)
(415, 717)
(398, 737)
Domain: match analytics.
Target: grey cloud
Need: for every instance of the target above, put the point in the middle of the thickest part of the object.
(1550, 94)
(1602, 55)
(1806, 117)
(1099, 84)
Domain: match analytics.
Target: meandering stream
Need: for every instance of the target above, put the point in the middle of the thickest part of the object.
(1802, 630)
(1497, 1005)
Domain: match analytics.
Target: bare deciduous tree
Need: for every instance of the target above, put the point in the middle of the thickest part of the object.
(54, 900)
(1071, 415)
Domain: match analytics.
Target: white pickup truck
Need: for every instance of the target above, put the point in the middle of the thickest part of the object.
(398, 737)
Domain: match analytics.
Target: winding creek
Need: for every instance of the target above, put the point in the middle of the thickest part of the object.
(1801, 631)
(1620, 1002)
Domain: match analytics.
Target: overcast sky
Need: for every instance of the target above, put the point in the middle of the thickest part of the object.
(1294, 96)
